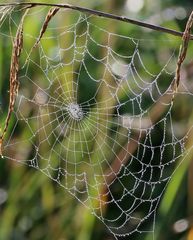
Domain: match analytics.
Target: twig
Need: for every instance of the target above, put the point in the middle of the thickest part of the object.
(101, 14)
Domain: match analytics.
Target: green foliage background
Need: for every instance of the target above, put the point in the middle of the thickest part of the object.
(33, 207)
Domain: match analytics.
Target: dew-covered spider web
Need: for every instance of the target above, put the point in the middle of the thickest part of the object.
(95, 111)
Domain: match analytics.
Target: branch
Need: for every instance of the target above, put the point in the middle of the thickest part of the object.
(101, 14)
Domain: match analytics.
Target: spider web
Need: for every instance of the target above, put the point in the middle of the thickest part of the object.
(94, 116)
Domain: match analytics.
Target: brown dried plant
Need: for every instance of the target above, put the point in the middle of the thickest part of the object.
(52, 12)
(14, 69)
(14, 83)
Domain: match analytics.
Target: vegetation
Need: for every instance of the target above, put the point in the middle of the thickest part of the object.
(36, 208)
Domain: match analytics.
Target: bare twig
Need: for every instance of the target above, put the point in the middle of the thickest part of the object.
(101, 14)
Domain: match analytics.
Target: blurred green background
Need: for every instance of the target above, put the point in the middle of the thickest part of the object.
(34, 207)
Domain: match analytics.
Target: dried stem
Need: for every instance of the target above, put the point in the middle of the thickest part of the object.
(49, 16)
(101, 14)
(14, 83)
(183, 49)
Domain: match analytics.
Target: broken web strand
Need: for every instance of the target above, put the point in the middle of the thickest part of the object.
(81, 148)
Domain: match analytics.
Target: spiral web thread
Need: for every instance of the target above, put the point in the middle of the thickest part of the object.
(95, 119)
